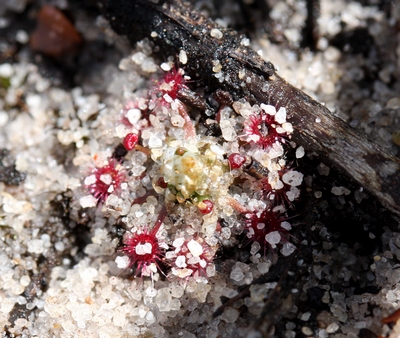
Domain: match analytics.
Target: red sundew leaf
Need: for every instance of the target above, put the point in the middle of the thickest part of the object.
(258, 227)
(108, 179)
(260, 129)
(166, 89)
(174, 79)
(143, 249)
(192, 258)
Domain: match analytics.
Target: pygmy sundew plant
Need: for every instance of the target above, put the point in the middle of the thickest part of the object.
(210, 186)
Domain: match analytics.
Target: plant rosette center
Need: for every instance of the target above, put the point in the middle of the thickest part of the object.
(190, 171)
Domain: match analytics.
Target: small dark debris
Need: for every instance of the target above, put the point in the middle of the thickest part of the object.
(119, 152)
(213, 129)
(61, 206)
(373, 289)
(365, 333)
(8, 173)
(315, 295)
(356, 41)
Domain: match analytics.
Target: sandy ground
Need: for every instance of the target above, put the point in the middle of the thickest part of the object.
(62, 115)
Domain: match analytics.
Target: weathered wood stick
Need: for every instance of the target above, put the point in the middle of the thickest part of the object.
(219, 58)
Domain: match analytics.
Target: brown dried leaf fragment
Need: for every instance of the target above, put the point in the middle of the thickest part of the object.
(55, 35)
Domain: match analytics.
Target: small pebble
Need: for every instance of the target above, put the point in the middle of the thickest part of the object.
(332, 328)
(216, 33)
(396, 137)
(323, 169)
(183, 57)
(306, 331)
